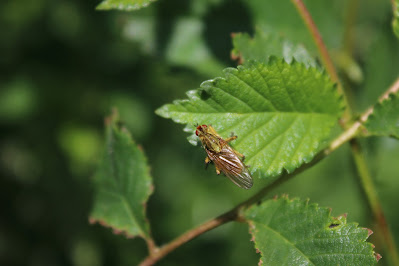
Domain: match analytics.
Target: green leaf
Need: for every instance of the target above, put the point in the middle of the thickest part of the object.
(384, 121)
(125, 5)
(293, 232)
(264, 44)
(280, 112)
(282, 18)
(395, 22)
(187, 47)
(122, 184)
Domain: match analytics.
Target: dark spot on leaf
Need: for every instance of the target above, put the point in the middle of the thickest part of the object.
(333, 225)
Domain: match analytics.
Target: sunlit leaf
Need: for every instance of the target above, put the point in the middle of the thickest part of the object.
(280, 112)
(265, 44)
(125, 5)
(122, 184)
(293, 232)
(384, 121)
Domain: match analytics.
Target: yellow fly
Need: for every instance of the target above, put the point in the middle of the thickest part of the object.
(226, 159)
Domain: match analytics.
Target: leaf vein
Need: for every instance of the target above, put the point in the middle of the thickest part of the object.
(286, 89)
(257, 92)
(235, 97)
(286, 240)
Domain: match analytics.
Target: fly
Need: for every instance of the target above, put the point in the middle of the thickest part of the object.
(227, 160)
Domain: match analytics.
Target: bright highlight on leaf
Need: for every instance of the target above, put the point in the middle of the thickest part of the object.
(293, 232)
(125, 5)
(122, 184)
(265, 44)
(384, 121)
(280, 112)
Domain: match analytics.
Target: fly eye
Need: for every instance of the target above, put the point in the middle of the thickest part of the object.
(196, 132)
(204, 126)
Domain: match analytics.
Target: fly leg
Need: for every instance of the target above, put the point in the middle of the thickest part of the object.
(217, 170)
(207, 162)
(231, 138)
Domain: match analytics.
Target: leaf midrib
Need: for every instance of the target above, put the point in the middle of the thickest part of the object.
(286, 240)
(250, 113)
(126, 205)
(125, 202)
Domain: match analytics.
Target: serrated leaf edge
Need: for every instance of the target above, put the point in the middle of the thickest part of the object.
(111, 123)
(392, 96)
(254, 64)
(341, 219)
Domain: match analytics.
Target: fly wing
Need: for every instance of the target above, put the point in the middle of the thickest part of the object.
(231, 165)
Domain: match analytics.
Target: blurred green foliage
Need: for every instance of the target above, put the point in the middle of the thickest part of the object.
(64, 65)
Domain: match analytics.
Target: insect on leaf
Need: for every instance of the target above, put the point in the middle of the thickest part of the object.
(280, 112)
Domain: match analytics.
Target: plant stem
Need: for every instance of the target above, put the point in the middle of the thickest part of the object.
(234, 214)
(321, 47)
(373, 200)
(368, 186)
(361, 165)
(189, 235)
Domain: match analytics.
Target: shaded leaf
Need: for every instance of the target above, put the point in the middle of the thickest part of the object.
(187, 47)
(384, 121)
(282, 18)
(384, 51)
(280, 112)
(122, 184)
(125, 5)
(264, 44)
(293, 232)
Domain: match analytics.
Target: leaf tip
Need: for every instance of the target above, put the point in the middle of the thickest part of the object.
(112, 118)
(163, 111)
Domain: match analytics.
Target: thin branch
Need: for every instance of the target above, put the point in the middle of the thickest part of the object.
(234, 214)
(368, 186)
(373, 200)
(325, 56)
(364, 173)
(152, 248)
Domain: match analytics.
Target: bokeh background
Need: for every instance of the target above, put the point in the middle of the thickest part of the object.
(63, 65)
